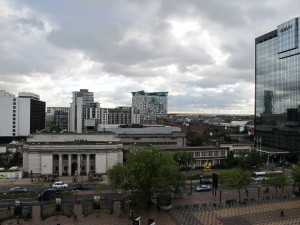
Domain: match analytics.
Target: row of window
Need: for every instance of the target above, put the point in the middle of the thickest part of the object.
(208, 153)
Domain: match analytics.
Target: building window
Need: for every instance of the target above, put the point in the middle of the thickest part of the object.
(216, 153)
(222, 153)
(65, 168)
(210, 153)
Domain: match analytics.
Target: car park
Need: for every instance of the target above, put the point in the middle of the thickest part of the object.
(203, 188)
(60, 184)
(15, 190)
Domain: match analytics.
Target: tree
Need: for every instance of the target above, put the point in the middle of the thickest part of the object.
(184, 160)
(197, 140)
(147, 171)
(235, 179)
(276, 180)
(55, 128)
(296, 174)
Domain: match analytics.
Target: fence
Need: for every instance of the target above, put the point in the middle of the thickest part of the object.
(102, 204)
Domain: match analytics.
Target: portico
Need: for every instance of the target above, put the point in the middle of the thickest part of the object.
(70, 154)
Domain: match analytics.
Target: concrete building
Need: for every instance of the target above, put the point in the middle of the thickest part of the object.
(237, 148)
(84, 112)
(22, 115)
(277, 93)
(152, 105)
(58, 116)
(205, 155)
(69, 154)
(160, 136)
(120, 115)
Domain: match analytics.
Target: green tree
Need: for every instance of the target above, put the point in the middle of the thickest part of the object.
(296, 173)
(235, 179)
(197, 140)
(185, 160)
(147, 171)
(55, 128)
(276, 180)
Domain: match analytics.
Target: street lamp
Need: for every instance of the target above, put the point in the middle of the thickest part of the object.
(258, 191)
(220, 195)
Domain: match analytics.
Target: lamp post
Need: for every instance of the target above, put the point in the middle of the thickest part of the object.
(220, 200)
(258, 191)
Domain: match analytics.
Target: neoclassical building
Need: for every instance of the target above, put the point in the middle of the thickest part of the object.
(67, 154)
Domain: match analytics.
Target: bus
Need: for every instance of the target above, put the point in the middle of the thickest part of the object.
(259, 176)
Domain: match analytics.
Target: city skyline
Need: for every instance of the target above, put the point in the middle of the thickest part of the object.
(202, 53)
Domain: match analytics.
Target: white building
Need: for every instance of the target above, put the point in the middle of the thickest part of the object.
(83, 108)
(67, 154)
(237, 148)
(20, 116)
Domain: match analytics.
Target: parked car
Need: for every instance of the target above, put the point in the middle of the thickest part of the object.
(203, 188)
(60, 184)
(48, 194)
(80, 187)
(95, 177)
(15, 190)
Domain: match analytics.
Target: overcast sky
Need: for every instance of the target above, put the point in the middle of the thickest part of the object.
(200, 51)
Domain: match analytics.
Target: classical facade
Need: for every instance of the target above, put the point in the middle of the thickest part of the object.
(68, 154)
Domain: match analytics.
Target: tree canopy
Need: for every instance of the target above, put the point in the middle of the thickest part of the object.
(276, 180)
(184, 160)
(296, 173)
(146, 171)
(197, 140)
(235, 179)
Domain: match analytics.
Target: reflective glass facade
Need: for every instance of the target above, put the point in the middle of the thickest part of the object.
(277, 87)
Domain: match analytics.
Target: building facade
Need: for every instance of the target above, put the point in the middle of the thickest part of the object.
(277, 89)
(22, 115)
(69, 154)
(120, 115)
(159, 136)
(58, 116)
(84, 112)
(152, 105)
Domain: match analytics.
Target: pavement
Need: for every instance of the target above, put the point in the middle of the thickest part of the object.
(204, 208)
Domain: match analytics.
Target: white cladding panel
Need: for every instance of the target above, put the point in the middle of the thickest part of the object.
(47, 163)
(111, 159)
(6, 115)
(24, 117)
(100, 163)
(35, 163)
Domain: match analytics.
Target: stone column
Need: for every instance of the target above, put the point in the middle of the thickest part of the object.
(60, 165)
(69, 164)
(78, 164)
(87, 164)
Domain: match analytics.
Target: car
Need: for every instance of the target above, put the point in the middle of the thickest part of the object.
(15, 190)
(48, 194)
(203, 188)
(59, 184)
(80, 187)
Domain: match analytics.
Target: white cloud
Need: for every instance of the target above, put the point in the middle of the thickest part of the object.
(201, 52)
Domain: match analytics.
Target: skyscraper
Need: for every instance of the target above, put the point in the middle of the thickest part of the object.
(277, 87)
(152, 105)
(22, 115)
(84, 111)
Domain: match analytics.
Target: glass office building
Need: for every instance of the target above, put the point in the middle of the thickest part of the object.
(277, 88)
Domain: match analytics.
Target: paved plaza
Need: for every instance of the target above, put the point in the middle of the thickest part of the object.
(189, 210)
